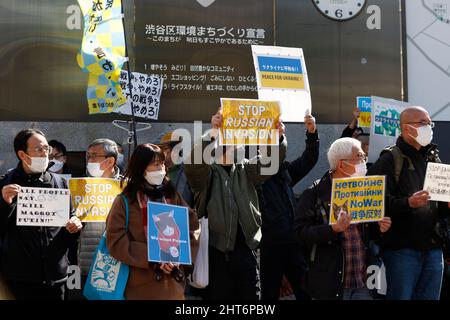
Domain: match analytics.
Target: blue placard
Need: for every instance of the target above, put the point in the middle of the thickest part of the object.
(281, 65)
(364, 104)
(168, 233)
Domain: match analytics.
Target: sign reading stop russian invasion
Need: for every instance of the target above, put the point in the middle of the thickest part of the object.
(43, 207)
(92, 198)
(249, 122)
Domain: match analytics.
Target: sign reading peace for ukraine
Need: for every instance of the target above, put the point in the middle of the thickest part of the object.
(168, 233)
(281, 72)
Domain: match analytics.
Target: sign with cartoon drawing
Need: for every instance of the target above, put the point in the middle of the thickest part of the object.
(361, 198)
(168, 233)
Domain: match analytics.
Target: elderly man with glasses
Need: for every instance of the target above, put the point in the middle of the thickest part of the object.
(33, 259)
(338, 254)
(413, 247)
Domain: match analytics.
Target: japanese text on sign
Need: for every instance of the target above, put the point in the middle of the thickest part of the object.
(437, 181)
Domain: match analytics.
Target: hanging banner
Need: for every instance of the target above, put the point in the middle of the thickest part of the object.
(361, 198)
(281, 75)
(43, 207)
(249, 122)
(92, 198)
(385, 124)
(102, 53)
(168, 233)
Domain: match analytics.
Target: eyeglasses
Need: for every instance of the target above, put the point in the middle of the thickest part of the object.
(46, 149)
(56, 156)
(94, 156)
(423, 123)
(360, 159)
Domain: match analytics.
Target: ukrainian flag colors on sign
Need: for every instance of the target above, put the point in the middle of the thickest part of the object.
(102, 53)
(249, 122)
(281, 72)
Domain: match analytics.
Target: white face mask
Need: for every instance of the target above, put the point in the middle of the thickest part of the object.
(155, 178)
(38, 164)
(360, 170)
(424, 135)
(57, 165)
(94, 169)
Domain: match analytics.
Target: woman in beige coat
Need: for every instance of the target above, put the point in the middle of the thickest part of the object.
(146, 181)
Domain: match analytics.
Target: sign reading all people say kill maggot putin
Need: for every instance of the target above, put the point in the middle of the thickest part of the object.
(43, 207)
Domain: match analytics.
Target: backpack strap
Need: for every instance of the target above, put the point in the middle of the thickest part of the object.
(125, 201)
(399, 159)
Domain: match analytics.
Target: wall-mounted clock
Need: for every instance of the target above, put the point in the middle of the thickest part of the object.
(340, 10)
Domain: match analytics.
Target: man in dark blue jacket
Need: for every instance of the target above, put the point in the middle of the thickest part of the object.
(281, 253)
(33, 259)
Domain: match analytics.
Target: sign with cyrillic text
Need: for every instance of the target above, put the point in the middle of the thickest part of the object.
(43, 207)
(437, 181)
(361, 198)
(249, 122)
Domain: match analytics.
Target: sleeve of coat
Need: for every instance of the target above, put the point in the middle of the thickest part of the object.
(301, 166)
(309, 229)
(120, 246)
(197, 171)
(194, 227)
(257, 168)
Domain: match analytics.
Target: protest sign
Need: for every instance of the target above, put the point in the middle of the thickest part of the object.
(364, 105)
(437, 181)
(92, 198)
(385, 125)
(361, 198)
(249, 122)
(146, 91)
(168, 233)
(281, 76)
(43, 207)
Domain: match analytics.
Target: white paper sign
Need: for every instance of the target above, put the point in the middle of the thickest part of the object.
(437, 181)
(146, 91)
(43, 207)
(281, 76)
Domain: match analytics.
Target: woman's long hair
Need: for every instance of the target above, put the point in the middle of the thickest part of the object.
(144, 155)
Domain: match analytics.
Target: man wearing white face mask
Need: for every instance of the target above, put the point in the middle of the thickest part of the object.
(57, 157)
(33, 259)
(101, 159)
(413, 247)
(338, 255)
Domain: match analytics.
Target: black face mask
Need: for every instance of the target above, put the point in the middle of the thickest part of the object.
(154, 192)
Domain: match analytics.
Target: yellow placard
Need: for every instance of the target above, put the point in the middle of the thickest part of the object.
(92, 198)
(282, 80)
(249, 122)
(362, 198)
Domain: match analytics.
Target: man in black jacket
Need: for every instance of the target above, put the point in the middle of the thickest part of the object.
(338, 255)
(281, 253)
(412, 248)
(33, 259)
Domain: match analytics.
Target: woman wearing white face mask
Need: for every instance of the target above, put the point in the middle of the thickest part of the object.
(146, 181)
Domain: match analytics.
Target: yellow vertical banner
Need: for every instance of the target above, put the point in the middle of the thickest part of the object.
(361, 198)
(92, 198)
(249, 122)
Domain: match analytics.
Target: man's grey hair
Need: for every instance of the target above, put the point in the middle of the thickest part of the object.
(110, 147)
(341, 149)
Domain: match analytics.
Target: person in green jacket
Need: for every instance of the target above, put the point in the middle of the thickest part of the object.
(225, 192)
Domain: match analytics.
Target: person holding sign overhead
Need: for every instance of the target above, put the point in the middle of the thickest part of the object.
(226, 193)
(413, 247)
(338, 254)
(146, 181)
(33, 258)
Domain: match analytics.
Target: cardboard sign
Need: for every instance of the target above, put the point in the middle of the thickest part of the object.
(43, 207)
(168, 233)
(362, 198)
(249, 122)
(92, 198)
(365, 107)
(437, 181)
